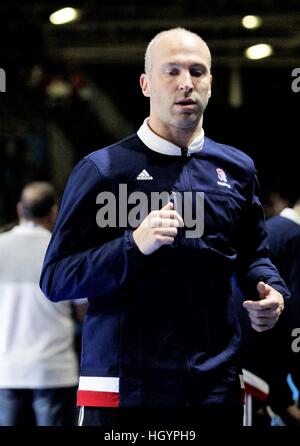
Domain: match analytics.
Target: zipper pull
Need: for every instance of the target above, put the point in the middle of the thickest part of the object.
(184, 153)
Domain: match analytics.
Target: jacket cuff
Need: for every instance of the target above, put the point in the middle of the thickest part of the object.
(132, 248)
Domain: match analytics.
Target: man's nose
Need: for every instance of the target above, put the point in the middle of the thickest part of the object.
(185, 82)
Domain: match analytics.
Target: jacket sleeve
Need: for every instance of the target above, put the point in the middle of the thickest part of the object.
(253, 254)
(82, 259)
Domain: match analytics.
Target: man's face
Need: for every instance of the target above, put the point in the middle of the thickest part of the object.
(179, 82)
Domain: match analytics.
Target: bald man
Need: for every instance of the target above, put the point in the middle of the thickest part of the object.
(152, 229)
(38, 362)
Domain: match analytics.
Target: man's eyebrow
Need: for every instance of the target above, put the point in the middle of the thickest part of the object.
(179, 64)
(171, 64)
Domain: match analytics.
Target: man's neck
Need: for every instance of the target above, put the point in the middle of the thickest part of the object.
(43, 222)
(182, 137)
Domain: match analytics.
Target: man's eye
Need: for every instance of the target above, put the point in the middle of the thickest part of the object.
(172, 72)
(197, 73)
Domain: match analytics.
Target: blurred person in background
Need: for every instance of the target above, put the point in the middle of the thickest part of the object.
(274, 203)
(274, 355)
(38, 361)
(284, 245)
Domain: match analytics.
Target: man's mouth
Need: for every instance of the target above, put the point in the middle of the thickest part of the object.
(185, 101)
(186, 105)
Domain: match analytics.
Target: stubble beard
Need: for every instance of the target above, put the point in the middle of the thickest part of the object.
(187, 120)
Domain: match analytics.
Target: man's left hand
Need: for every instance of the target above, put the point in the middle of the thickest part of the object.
(265, 312)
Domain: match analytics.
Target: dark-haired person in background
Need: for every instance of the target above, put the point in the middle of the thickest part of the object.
(274, 354)
(38, 363)
(274, 202)
(284, 245)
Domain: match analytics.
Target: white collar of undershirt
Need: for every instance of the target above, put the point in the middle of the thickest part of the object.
(291, 214)
(161, 145)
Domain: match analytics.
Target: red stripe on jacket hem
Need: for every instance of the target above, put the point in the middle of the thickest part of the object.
(98, 399)
(259, 394)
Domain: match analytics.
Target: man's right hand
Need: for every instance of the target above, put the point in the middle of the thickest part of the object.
(157, 229)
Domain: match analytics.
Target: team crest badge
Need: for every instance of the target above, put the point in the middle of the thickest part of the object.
(221, 175)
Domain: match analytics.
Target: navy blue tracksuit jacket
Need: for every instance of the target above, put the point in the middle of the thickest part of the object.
(160, 329)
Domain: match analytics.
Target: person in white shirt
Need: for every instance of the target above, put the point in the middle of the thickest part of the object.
(38, 360)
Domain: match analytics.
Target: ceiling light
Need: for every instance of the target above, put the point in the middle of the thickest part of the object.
(251, 21)
(258, 51)
(64, 15)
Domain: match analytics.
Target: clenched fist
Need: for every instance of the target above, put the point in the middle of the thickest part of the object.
(265, 312)
(157, 229)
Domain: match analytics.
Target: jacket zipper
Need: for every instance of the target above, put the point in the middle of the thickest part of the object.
(187, 184)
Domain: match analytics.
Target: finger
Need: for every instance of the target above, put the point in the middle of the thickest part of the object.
(156, 222)
(165, 232)
(168, 206)
(261, 305)
(167, 240)
(262, 320)
(171, 214)
(179, 219)
(164, 240)
(263, 312)
(250, 305)
(261, 328)
(262, 289)
(168, 223)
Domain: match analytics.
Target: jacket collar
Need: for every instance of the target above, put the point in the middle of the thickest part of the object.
(161, 145)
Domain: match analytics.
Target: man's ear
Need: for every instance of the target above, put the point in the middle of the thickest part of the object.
(19, 209)
(144, 83)
(209, 92)
(53, 212)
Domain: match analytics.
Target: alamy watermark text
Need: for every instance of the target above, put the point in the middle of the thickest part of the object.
(2, 81)
(131, 209)
(296, 82)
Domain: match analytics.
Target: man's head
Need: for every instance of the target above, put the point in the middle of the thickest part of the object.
(38, 204)
(177, 80)
(275, 202)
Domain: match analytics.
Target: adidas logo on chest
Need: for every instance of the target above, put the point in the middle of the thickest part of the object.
(144, 176)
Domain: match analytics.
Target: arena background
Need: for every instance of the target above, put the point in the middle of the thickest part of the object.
(73, 88)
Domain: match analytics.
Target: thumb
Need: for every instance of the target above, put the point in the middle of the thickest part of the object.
(168, 207)
(262, 289)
